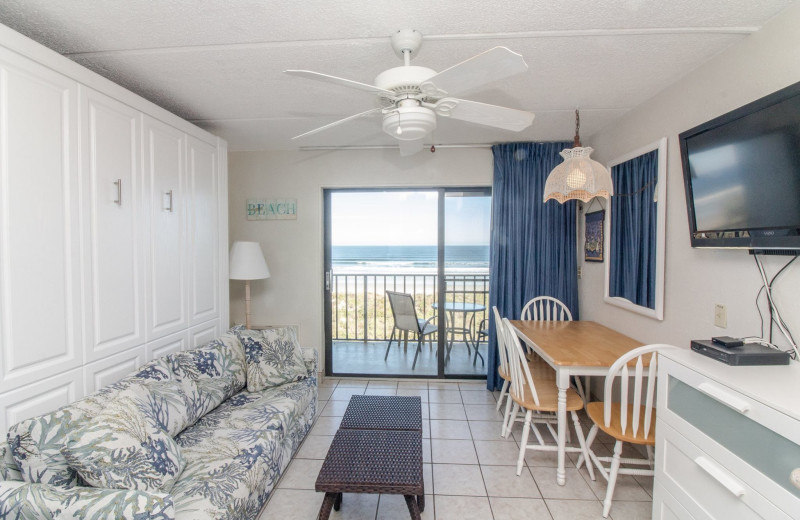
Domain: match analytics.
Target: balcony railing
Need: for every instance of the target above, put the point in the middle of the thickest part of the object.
(360, 310)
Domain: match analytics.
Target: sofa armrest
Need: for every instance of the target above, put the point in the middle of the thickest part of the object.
(311, 359)
(26, 500)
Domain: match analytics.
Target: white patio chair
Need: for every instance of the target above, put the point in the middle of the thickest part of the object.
(405, 320)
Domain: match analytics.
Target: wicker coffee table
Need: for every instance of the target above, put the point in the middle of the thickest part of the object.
(378, 449)
(380, 412)
(373, 461)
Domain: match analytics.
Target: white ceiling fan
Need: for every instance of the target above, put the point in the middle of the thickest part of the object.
(411, 97)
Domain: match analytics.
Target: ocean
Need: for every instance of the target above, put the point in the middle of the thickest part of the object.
(408, 259)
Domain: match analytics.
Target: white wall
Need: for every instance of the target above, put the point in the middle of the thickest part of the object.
(697, 279)
(293, 248)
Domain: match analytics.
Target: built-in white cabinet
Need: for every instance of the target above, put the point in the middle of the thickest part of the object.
(113, 223)
(167, 206)
(204, 246)
(167, 345)
(203, 333)
(111, 369)
(727, 440)
(40, 257)
(113, 231)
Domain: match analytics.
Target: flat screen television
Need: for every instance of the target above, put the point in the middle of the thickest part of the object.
(742, 175)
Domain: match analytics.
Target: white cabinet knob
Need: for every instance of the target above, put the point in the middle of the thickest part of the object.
(795, 478)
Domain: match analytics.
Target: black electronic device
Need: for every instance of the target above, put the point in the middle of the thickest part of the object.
(748, 354)
(727, 341)
(742, 175)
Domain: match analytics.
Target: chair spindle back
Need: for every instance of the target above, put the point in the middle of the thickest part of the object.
(519, 369)
(639, 391)
(546, 308)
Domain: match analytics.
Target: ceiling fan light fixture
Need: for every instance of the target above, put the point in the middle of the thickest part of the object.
(579, 177)
(409, 123)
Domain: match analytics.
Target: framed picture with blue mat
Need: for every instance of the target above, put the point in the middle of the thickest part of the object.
(593, 248)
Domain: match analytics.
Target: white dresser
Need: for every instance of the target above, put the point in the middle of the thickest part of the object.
(727, 440)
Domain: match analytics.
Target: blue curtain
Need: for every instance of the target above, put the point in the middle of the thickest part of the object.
(632, 273)
(532, 249)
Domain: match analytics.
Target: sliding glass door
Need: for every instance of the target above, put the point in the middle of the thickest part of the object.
(391, 257)
(466, 280)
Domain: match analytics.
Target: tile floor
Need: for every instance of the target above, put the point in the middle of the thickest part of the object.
(469, 470)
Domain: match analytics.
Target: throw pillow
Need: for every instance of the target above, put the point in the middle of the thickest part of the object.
(273, 357)
(123, 447)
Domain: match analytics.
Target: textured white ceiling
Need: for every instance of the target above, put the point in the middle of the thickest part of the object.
(219, 62)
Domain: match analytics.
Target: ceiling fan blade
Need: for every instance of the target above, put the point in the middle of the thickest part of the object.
(494, 64)
(337, 123)
(309, 74)
(483, 114)
(410, 147)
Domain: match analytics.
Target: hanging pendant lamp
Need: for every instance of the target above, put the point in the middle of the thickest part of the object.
(579, 176)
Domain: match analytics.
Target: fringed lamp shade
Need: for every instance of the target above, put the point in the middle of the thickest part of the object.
(578, 177)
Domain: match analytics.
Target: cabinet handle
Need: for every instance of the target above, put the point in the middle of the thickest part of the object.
(724, 397)
(720, 476)
(795, 478)
(118, 184)
(169, 208)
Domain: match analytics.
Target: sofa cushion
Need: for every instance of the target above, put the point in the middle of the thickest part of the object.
(273, 356)
(8, 467)
(218, 368)
(275, 408)
(228, 472)
(173, 404)
(157, 370)
(124, 447)
(25, 500)
(36, 443)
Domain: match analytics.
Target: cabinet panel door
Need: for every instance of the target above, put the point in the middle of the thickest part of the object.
(111, 152)
(39, 398)
(40, 307)
(167, 345)
(199, 335)
(111, 369)
(165, 171)
(203, 231)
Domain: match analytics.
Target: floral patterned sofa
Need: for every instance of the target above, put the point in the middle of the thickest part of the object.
(199, 434)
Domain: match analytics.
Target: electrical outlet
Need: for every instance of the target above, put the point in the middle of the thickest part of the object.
(721, 316)
(580, 272)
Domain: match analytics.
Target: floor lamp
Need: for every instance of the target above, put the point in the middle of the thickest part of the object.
(247, 263)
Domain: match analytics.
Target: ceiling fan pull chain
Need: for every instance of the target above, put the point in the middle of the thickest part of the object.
(399, 126)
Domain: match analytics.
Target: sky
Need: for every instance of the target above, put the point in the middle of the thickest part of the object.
(407, 218)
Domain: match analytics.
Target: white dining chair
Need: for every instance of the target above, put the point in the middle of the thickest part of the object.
(539, 367)
(502, 369)
(547, 308)
(537, 396)
(626, 421)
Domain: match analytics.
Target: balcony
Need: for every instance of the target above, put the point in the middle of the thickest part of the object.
(362, 323)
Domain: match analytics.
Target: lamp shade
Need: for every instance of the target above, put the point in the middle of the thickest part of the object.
(247, 262)
(578, 177)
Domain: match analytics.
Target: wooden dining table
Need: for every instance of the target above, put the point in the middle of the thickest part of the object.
(572, 348)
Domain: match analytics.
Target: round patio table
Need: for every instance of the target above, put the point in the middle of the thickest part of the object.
(468, 311)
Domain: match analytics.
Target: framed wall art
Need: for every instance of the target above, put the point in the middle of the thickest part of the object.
(593, 248)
